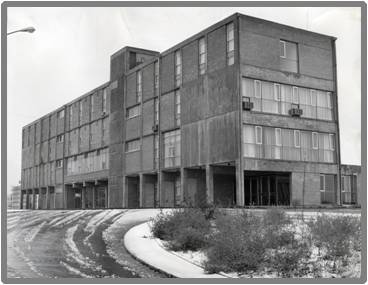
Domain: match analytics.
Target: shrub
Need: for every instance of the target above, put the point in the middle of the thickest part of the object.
(338, 235)
(249, 242)
(183, 229)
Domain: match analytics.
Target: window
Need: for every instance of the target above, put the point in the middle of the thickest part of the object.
(133, 111)
(156, 110)
(80, 111)
(70, 115)
(278, 137)
(295, 95)
(60, 114)
(327, 188)
(277, 92)
(258, 135)
(297, 138)
(157, 76)
(60, 138)
(177, 68)
(178, 192)
(104, 95)
(59, 163)
(257, 89)
(282, 49)
(230, 43)
(139, 86)
(313, 97)
(332, 141)
(92, 104)
(202, 56)
(315, 140)
(177, 107)
(288, 56)
(134, 145)
(172, 148)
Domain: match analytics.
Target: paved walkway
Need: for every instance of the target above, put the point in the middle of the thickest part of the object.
(140, 244)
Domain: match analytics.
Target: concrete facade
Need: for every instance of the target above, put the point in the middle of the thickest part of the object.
(242, 113)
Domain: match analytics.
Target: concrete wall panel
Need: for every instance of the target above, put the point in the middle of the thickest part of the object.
(131, 89)
(167, 73)
(133, 128)
(148, 81)
(147, 153)
(148, 116)
(216, 49)
(133, 162)
(190, 61)
(167, 111)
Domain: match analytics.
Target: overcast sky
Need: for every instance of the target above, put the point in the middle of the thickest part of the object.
(69, 55)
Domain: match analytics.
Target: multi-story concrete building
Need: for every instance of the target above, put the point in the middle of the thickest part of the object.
(242, 113)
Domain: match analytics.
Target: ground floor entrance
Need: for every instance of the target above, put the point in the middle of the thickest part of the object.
(87, 195)
(266, 188)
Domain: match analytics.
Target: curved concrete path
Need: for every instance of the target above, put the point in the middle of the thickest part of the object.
(140, 243)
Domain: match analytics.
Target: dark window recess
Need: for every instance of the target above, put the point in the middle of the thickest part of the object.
(132, 59)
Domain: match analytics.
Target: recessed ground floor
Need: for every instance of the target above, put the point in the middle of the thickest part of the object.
(222, 184)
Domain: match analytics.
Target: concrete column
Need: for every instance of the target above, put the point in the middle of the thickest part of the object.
(209, 184)
(94, 197)
(239, 173)
(106, 196)
(140, 189)
(125, 193)
(33, 199)
(159, 188)
(47, 197)
(83, 193)
(183, 185)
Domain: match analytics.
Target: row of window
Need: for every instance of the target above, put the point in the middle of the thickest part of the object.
(171, 142)
(287, 144)
(88, 162)
(92, 107)
(278, 98)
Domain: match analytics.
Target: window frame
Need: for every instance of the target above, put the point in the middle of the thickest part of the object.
(276, 95)
(255, 89)
(202, 67)
(135, 149)
(295, 94)
(331, 141)
(278, 130)
(315, 135)
(139, 86)
(137, 107)
(296, 136)
(284, 48)
(259, 128)
(178, 72)
(230, 54)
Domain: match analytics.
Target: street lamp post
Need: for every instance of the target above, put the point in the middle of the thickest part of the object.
(25, 30)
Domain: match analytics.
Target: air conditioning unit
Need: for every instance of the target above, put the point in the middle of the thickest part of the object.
(247, 105)
(155, 128)
(103, 114)
(295, 112)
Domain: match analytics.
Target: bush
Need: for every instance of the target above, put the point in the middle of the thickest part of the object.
(337, 235)
(250, 242)
(183, 229)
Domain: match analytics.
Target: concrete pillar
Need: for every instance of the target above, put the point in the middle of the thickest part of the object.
(125, 193)
(93, 197)
(209, 184)
(47, 197)
(83, 193)
(140, 189)
(33, 199)
(239, 173)
(160, 189)
(183, 185)
(106, 196)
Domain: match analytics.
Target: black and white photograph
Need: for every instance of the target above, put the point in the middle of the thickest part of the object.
(215, 143)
